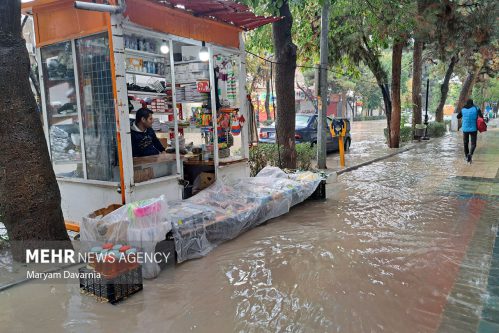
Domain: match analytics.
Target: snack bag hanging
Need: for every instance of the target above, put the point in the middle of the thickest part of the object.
(236, 127)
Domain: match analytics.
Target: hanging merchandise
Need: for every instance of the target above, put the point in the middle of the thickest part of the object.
(241, 120)
(224, 121)
(231, 84)
(226, 80)
(236, 130)
(236, 126)
(206, 119)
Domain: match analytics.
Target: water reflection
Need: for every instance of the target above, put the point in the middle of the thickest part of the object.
(380, 255)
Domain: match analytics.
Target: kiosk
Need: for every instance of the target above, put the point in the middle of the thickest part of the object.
(99, 63)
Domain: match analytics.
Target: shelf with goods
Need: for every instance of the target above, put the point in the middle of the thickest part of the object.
(132, 72)
(145, 60)
(188, 62)
(132, 52)
(195, 81)
(146, 93)
(157, 113)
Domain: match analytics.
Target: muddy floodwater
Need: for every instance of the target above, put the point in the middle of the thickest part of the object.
(384, 253)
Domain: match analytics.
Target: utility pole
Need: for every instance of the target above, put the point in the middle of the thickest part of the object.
(322, 122)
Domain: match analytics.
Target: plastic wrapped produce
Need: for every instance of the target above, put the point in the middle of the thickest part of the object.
(302, 186)
(189, 223)
(228, 208)
(219, 213)
(141, 224)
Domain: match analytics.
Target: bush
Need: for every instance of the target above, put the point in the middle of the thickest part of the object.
(305, 154)
(267, 154)
(405, 134)
(366, 118)
(436, 130)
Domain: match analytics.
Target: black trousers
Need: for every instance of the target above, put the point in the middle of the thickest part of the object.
(466, 140)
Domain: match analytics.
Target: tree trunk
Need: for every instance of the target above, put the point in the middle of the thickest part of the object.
(398, 47)
(267, 99)
(385, 91)
(468, 84)
(416, 83)
(285, 54)
(374, 64)
(30, 201)
(444, 90)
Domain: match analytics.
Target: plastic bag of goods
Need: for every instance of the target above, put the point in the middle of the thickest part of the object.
(147, 223)
(100, 227)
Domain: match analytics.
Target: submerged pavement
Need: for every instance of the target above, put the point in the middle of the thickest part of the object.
(407, 244)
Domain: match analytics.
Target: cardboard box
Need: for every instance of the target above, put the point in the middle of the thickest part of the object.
(142, 175)
(93, 228)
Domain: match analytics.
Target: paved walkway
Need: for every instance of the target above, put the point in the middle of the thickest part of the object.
(473, 304)
(406, 244)
(368, 145)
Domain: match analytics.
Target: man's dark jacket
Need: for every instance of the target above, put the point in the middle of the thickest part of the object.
(144, 143)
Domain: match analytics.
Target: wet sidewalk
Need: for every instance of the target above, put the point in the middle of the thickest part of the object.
(405, 244)
(368, 145)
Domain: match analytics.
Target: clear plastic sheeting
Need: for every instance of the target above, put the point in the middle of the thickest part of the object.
(228, 208)
(219, 213)
(300, 185)
(141, 224)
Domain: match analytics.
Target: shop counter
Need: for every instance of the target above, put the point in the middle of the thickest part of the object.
(222, 162)
(155, 166)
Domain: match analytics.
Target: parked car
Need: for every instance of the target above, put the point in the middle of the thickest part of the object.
(306, 131)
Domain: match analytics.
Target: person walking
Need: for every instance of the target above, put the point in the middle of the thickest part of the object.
(469, 113)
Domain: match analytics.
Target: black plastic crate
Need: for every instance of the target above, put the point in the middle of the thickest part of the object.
(167, 246)
(112, 290)
(320, 191)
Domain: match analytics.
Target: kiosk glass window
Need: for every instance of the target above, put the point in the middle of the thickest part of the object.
(62, 110)
(97, 108)
(149, 85)
(229, 112)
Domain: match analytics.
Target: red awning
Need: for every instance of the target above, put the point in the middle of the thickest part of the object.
(226, 11)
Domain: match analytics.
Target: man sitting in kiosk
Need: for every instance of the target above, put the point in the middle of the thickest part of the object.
(144, 140)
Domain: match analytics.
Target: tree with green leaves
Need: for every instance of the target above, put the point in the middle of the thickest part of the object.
(360, 31)
(466, 36)
(284, 59)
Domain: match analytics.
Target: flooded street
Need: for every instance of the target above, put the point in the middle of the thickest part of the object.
(386, 252)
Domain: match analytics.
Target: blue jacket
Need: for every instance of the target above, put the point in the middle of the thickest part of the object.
(469, 116)
(145, 143)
